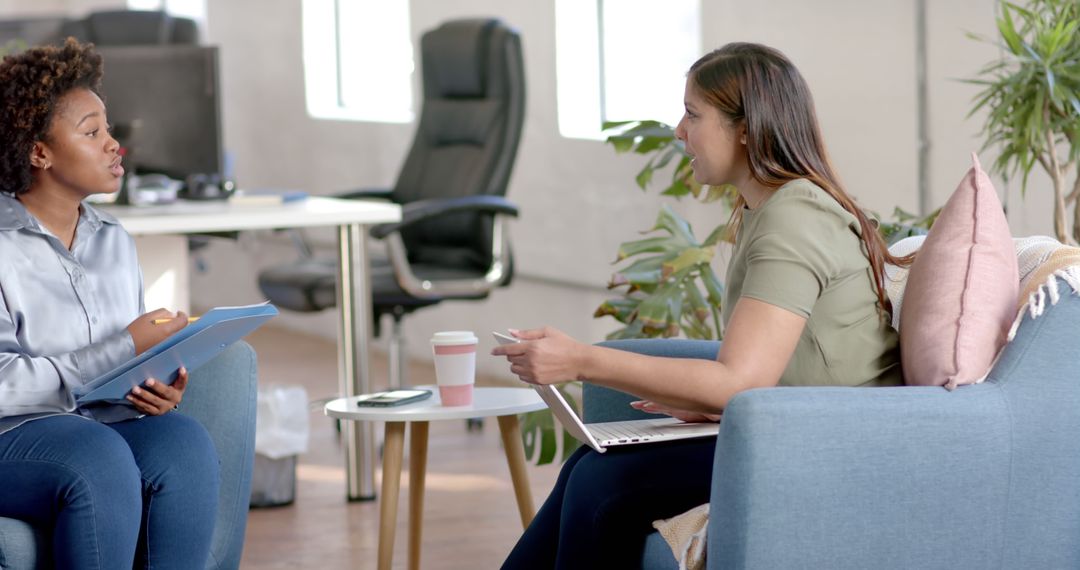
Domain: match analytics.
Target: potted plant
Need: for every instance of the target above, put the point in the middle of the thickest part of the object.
(667, 284)
(1030, 94)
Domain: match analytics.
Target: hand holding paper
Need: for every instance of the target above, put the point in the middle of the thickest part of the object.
(190, 346)
(154, 398)
(146, 331)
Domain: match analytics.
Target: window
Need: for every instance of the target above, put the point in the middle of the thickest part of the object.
(620, 60)
(358, 60)
(194, 9)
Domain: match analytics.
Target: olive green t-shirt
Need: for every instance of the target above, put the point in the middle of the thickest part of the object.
(801, 251)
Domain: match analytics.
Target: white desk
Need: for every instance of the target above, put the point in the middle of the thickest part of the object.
(504, 403)
(163, 253)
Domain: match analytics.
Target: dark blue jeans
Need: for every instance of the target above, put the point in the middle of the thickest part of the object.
(603, 504)
(139, 493)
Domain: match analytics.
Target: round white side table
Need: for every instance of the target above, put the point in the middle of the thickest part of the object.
(503, 403)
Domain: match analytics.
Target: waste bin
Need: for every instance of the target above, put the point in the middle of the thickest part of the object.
(281, 434)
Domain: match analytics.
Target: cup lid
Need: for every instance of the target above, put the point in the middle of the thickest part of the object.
(454, 337)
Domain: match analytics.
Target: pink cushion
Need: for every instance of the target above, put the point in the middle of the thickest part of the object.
(961, 291)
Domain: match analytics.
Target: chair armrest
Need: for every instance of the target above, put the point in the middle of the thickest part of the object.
(221, 395)
(365, 194)
(902, 477)
(414, 212)
(607, 405)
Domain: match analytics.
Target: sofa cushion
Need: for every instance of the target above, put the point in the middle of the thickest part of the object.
(961, 291)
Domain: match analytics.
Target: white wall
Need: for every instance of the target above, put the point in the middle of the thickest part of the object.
(577, 197)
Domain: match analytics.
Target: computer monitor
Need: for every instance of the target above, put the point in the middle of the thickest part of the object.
(165, 102)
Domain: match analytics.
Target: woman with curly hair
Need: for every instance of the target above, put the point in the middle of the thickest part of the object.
(120, 485)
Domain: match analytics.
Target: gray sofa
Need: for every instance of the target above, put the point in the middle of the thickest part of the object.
(222, 396)
(985, 477)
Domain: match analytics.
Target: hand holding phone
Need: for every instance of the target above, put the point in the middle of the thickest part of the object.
(505, 339)
(392, 398)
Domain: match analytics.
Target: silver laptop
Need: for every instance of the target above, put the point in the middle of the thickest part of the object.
(602, 435)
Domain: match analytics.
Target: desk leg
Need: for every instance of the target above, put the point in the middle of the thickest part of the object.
(515, 458)
(393, 450)
(354, 314)
(418, 440)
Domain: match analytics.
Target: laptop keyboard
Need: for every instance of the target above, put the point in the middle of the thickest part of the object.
(625, 432)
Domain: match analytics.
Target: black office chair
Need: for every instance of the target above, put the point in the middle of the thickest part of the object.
(452, 241)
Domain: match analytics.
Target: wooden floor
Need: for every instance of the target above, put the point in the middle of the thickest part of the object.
(470, 518)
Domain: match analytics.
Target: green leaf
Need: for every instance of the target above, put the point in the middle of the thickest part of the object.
(642, 272)
(719, 233)
(621, 144)
(699, 308)
(661, 244)
(713, 288)
(669, 153)
(677, 189)
(688, 258)
(655, 312)
(672, 223)
(1008, 31)
(650, 143)
(645, 176)
(621, 310)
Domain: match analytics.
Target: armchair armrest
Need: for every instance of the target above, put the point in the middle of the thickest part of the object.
(903, 477)
(607, 405)
(221, 395)
(414, 212)
(365, 193)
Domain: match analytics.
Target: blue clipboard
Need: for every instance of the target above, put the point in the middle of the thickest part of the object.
(191, 347)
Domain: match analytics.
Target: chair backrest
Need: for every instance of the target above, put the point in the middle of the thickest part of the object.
(132, 27)
(467, 136)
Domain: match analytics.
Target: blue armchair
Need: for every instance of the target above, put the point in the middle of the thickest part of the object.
(222, 396)
(912, 477)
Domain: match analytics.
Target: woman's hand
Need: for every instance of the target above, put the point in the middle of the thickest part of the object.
(154, 398)
(544, 356)
(146, 334)
(691, 417)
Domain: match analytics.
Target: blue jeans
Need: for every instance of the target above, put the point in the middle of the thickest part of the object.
(602, 506)
(139, 493)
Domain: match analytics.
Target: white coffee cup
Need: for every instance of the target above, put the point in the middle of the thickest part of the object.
(455, 366)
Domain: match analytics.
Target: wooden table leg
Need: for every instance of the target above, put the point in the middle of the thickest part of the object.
(418, 440)
(393, 450)
(515, 458)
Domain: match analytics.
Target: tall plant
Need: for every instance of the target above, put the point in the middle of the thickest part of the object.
(1031, 95)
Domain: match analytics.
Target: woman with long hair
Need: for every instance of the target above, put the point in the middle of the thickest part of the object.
(805, 305)
(120, 486)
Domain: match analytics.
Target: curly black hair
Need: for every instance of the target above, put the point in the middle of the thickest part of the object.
(31, 85)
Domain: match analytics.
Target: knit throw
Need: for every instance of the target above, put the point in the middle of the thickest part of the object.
(1044, 262)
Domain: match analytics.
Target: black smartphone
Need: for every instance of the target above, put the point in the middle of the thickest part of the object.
(392, 398)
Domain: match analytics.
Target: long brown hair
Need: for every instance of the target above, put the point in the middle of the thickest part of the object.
(757, 86)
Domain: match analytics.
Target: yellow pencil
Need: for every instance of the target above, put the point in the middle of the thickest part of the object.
(160, 321)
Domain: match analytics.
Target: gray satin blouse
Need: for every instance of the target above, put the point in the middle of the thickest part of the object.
(63, 314)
